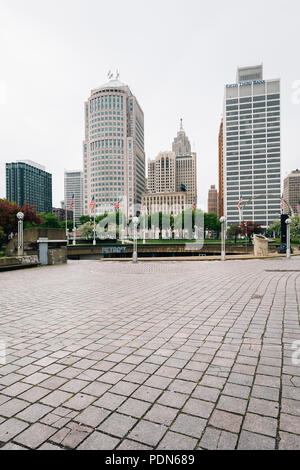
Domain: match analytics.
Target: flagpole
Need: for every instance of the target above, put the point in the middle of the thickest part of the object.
(94, 241)
(74, 227)
(66, 214)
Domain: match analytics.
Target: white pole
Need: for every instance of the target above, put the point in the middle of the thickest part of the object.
(223, 227)
(134, 254)
(94, 241)
(74, 226)
(288, 238)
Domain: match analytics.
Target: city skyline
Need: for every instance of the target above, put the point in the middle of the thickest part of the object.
(50, 105)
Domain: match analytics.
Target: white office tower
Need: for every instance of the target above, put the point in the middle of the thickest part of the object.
(113, 149)
(252, 167)
(74, 185)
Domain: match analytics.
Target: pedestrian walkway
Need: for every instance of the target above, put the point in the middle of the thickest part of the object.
(160, 355)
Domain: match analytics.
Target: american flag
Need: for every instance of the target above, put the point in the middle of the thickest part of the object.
(281, 203)
(194, 205)
(239, 204)
(117, 205)
(72, 202)
(92, 203)
(298, 207)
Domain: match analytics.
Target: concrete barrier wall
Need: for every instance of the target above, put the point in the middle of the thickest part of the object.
(12, 261)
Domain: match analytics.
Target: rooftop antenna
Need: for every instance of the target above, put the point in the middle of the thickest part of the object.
(181, 126)
(117, 75)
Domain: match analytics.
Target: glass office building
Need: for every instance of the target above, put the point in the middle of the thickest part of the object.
(27, 181)
(251, 146)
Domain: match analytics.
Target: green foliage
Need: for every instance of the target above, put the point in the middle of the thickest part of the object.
(87, 230)
(212, 222)
(84, 218)
(49, 220)
(100, 217)
(295, 227)
(180, 219)
(233, 231)
(70, 224)
(159, 220)
(274, 229)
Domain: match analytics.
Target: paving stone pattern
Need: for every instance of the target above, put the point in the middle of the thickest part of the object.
(161, 355)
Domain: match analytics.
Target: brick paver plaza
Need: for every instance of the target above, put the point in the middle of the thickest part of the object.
(158, 355)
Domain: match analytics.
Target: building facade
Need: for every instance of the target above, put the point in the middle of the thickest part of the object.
(161, 173)
(252, 153)
(291, 191)
(61, 214)
(27, 181)
(74, 185)
(186, 166)
(168, 203)
(212, 201)
(113, 149)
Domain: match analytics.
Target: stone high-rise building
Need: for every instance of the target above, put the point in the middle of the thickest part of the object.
(252, 155)
(181, 144)
(186, 166)
(212, 201)
(161, 173)
(113, 149)
(291, 191)
(173, 172)
(27, 181)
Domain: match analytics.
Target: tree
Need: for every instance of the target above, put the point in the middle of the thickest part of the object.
(100, 217)
(84, 218)
(9, 221)
(275, 229)
(161, 221)
(249, 228)
(87, 230)
(185, 216)
(212, 222)
(295, 227)
(70, 225)
(233, 231)
(49, 220)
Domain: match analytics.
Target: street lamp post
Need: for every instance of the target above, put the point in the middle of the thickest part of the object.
(135, 221)
(288, 237)
(223, 230)
(20, 217)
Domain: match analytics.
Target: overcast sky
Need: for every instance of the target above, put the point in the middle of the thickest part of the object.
(175, 55)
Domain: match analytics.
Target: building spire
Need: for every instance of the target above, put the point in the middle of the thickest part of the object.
(181, 126)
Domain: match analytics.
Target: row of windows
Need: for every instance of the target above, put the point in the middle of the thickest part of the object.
(251, 106)
(106, 102)
(234, 115)
(248, 99)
